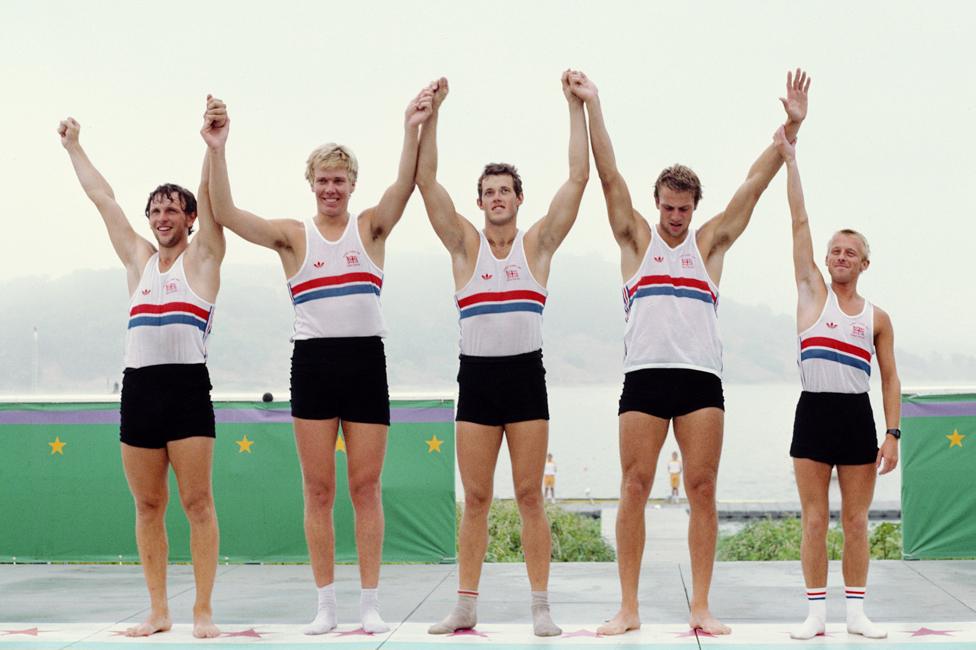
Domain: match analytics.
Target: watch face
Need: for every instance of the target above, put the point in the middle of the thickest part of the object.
(894, 432)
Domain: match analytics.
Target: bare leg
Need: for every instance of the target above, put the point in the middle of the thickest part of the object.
(192, 460)
(857, 491)
(315, 441)
(641, 439)
(477, 454)
(813, 483)
(366, 449)
(146, 471)
(699, 436)
(527, 444)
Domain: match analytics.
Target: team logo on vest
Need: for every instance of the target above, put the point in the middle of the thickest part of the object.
(832, 325)
(171, 286)
(687, 262)
(352, 258)
(858, 330)
(512, 272)
(486, 276)
(146, 292)
(658, 258)
(319, 264)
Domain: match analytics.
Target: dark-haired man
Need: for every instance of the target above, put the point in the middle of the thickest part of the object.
(166, 414)
(673, 355)
(500, 275)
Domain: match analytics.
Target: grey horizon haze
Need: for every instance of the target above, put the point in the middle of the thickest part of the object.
(886, 148)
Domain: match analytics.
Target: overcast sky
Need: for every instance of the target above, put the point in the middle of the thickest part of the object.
(887, 147)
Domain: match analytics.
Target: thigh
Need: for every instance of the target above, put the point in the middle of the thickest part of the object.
(812, 484)
(477, 453)
(365, 450)
(856, 487)
(528, 443)
(315, 441)
(641, 439)
(146, 471)
(192, 460)
(699, 435)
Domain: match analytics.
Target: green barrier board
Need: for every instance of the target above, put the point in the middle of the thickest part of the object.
(65, 498)
(938, 469)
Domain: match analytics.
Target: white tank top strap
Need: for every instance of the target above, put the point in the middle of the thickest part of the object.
(671, 310)
(500, 308)
(168, 321)
(336, 292)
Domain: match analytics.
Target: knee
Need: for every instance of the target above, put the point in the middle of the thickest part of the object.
(365, 492)
(636, 485)
(477, 502)
(815, 524)
(855, 524)
(528, 497)
(199, 507)
(701, 490)
(319, 494)
(151, 506)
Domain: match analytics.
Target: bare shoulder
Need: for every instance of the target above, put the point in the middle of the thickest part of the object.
(882, 321)
(292, 232)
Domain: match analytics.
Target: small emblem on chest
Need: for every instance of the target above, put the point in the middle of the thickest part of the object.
(858, 330)
(487, 276)
(832, 325)
(352, 258)
(172, 286)
(687, 262)
(319, 264)
(146, 292)
(658, 258)
(512, 272)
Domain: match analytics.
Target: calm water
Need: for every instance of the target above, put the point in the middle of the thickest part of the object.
(755, 459)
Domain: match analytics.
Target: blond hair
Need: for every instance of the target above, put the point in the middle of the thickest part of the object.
(865, 247)
(332, 156)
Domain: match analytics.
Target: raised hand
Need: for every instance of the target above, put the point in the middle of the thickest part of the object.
(69, 129)
(216, 123)
(420, 107)
(440, 89)
(581, 86)
(786, 148)
(795, 102)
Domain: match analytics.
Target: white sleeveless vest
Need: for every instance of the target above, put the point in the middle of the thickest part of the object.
(336, 292)
(500, 308)
(671, 308)
(168, 321)
(834, 355)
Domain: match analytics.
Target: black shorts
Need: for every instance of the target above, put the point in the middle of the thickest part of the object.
(670, 392)
(165, 403)
(835, 428)
(343, 377)
(496, 391)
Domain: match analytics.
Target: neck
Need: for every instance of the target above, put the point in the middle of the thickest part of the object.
(670, 239)
(501, 236)
(322, 219)
(845, 291)
(169, 254)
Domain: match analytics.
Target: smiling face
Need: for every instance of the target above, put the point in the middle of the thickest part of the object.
(847, 257)
(332, 188)
(499, 199)
(169, 221)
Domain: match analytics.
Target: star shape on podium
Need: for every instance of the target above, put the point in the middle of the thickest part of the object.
(924, 631)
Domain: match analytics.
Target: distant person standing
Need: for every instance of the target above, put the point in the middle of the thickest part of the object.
(549, 479)
(674, 471)
(839, 332)
(166, 416)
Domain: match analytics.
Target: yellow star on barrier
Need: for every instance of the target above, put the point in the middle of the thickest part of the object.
(434, 444)
(244, 445)
(340, 444)
(955, 440)
(57, 447)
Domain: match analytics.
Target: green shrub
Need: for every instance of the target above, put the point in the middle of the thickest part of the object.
(769, 539)
(575, 537)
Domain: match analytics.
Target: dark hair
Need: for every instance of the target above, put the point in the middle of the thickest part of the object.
(680, 179)
(188, 202)
(501, 169)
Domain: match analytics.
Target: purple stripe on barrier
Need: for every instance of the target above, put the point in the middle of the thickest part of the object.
(224, 416)
(938, 409)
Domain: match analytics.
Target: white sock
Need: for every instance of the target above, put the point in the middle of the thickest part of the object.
(857, 622)
(325, 617)
(816, 621)
(542, 624)
(464, 616)
(369, 612)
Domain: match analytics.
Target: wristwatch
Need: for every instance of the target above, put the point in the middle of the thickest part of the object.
(896, 433)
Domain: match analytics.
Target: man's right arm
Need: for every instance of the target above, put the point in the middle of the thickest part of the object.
(263, 232)
(625, 222)
(454, 231)
(133, 250)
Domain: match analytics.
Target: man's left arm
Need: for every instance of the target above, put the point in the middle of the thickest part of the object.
(884, 346)
(720, 232)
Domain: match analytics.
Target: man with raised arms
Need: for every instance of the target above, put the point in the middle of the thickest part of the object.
(839, 331)
(500, 275)
(334, 265)
(167, 418)
(672, 352)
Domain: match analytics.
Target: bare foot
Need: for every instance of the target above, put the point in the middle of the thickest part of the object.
(155, 623)
(704, 621)
(622, 622)
(204, 628)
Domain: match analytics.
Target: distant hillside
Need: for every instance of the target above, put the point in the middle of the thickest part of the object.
(81, 319)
